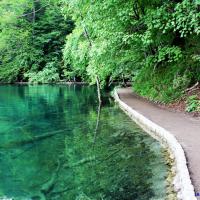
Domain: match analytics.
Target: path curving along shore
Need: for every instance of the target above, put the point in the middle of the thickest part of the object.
(177, 131)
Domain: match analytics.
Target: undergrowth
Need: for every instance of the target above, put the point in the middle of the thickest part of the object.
(162, 85)
(193, 104)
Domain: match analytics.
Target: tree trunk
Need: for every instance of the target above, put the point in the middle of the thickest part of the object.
(98, 89)
(90, 43)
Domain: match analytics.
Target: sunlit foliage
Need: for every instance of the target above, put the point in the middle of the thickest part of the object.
(155, 44)
(32, 34)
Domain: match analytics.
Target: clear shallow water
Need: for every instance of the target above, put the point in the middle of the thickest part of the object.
(53, 147)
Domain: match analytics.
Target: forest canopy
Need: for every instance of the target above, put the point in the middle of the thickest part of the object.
(32, 35)
(154, 44)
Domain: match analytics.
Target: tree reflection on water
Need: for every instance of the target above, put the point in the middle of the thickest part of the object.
(56, 146)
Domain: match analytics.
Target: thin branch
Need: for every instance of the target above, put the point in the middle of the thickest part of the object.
(193, 87)
(26, 14)
(33, 139)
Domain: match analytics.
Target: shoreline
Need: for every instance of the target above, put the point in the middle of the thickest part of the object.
(181, 181)
(56, 83)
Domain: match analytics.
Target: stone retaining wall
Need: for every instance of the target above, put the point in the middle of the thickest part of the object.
(182, 183)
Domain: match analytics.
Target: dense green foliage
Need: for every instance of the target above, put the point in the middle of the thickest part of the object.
(154, 43)
(32, 34)
(193, 104)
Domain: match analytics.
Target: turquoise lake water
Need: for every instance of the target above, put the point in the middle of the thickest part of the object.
(55, 145)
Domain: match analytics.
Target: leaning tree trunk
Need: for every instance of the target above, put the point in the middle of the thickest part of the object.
(90, 43)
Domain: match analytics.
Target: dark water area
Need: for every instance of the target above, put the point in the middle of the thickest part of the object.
(55, 144)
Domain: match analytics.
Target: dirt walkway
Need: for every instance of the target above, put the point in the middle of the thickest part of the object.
(186, 129)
